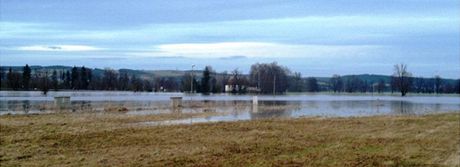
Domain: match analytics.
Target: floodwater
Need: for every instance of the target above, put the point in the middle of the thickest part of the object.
(230, 107)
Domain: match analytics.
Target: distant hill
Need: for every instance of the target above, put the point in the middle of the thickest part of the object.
(151, 74)
(100, 72)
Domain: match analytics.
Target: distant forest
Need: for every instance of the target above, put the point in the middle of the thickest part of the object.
(265, 78)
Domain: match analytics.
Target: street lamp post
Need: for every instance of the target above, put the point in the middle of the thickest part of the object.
(191, 81)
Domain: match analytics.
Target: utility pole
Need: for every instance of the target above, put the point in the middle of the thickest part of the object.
(191, 81)
(274, 84)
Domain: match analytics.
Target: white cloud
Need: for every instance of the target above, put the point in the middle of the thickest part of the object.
(255, 49)
(59, 48)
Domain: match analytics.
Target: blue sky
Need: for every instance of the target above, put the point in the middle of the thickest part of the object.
(316, 38)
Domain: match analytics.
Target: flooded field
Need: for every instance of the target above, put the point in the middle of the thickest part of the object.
(101, 129)
(228, 107)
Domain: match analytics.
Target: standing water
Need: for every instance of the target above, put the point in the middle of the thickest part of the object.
(231, 107)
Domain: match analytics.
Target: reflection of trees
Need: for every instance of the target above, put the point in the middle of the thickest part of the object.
(358, 104)
(239, 106)
(3, 106)
(437, 107)
(273, 103)
(11, 105)
(26, 106)
(16, 106)
(402, 107)
(357, 107)
(272, 109)
(335, 104)
(312, 104)
(377, 104)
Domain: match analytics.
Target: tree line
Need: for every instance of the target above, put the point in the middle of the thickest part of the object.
(264, 78)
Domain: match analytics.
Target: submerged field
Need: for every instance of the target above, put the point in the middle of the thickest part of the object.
(114, 139)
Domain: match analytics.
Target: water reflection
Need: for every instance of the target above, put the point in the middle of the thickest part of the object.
(402, 107)
(26, 106)
(274, 109)
(240, 109)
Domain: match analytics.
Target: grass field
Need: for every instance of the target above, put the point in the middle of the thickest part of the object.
(113, 139)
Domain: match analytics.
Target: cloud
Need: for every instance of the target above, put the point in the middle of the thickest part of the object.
(233, 57)
(59, 48)
(254, 50)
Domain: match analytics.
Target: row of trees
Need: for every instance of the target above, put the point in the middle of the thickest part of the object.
(354, 84)
(211, 82)
(266, 78)
(274, 79)
(77, 78)
(401, 81)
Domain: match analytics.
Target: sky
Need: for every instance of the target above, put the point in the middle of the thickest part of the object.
(314, 37)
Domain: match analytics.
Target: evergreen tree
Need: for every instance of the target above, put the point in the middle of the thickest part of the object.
(54, 80)
(9, 78)
(205, 80)
(74, 83)
(44, 85)
(67, 80)
(312, 84)
(13, 79)
(84, 81)
(89, 76)
(26, 77)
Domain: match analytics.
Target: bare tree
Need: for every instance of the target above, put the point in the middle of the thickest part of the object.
(269, 78)
(236, 81)
(437, 84)
(109, 79)
(187, 82)
(296, 83)
(403, 78)
(336, 83)
(419, 83)
(44, 82)
(54, 80)
(354, 84)
(380, 86)
(312, 84)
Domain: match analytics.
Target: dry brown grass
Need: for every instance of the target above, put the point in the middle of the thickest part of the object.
(87, 139)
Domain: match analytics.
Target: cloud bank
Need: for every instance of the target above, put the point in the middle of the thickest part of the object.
(58, 48)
